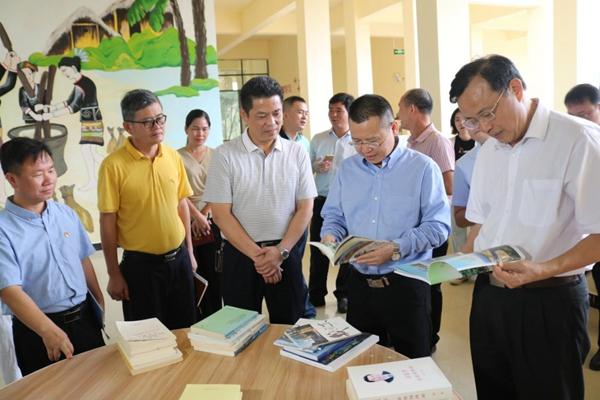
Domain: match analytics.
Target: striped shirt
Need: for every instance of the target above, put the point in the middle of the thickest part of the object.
(433, 144)
(262, 190)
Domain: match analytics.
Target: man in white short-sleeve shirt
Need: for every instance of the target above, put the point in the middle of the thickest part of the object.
(535, 188)
(261, 190)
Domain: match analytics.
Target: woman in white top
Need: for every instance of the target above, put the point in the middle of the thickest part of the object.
(206, 237)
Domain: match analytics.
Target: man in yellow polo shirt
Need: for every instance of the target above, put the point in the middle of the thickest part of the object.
(142, 189)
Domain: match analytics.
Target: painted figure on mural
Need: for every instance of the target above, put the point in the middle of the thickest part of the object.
(26, 102)
(82, 99)
(8, 66)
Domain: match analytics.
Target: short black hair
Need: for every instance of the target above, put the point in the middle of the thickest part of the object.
(419, 98)
(135, 100)
(342, 97)
(582, 93)
(371, 105)
(18, 150)
(259, 87)
(289, 101)
(497, 70)
(196, 113)
(452, 123)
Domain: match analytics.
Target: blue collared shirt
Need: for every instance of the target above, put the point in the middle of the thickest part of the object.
(462, 177)
(43, 254)
(403, 201)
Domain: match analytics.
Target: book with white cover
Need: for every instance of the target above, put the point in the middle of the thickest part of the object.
(144, 329)
(418, 377)
(338, 362)
(173, 357)
(140, 347)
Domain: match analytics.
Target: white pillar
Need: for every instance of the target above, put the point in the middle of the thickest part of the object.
(443, 32)
(359, 70)
(314, 61)
(540, 53)
(576, 57)
(411, 50)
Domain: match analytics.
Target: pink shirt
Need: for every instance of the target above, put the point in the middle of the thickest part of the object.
(433, 144)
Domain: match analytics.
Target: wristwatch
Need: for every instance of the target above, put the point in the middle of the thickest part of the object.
(396, 254)
(285, 253)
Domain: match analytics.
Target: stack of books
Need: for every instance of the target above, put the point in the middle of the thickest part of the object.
(146, 345)
(211, 392)
(419, 378)
(228, 331)
(326, 344)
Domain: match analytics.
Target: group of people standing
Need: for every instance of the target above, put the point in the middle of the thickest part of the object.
(248, 205)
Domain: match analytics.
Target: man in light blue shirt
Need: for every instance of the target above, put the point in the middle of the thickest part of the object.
(45, 270)
(327, 151)
(393, 194)
(462, 180)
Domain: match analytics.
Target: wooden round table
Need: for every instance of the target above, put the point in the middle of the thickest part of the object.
(260, 370)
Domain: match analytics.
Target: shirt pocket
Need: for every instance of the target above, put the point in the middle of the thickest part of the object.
(539, 202)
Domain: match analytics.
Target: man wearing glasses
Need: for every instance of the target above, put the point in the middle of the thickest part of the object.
(389, 193)
(536, 188)
(414, 113)
(142, 189)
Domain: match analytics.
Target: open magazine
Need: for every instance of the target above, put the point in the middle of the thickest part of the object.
(348, 249)
(460, 265)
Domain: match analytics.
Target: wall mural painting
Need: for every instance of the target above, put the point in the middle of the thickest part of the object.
(62, 78)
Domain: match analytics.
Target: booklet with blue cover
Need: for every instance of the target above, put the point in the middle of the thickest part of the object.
(458, 265)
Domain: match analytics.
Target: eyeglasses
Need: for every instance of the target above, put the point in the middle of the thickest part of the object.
(473, 124)
(371, 145)
(149, 123)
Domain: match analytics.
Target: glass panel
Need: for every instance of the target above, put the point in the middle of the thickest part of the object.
(230, 115)
(255, 67)
(230, 67)
(248, 77)
(230, 82)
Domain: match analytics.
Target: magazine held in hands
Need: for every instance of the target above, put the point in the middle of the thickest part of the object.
(460, 265)
(348, 249)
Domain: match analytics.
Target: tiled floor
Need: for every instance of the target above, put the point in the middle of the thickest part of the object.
(453, 354)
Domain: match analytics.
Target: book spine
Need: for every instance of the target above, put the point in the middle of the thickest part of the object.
(250, 339)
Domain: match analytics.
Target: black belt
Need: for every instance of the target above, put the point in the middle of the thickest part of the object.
(268, 243)
(555, 281)
(71, 315)
(166, 257)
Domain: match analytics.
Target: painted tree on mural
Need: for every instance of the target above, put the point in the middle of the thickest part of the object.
(200, 35)
(155, 10)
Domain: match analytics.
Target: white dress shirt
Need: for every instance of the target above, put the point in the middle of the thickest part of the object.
(543, 193)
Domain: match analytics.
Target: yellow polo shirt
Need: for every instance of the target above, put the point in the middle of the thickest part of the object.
(144, 194)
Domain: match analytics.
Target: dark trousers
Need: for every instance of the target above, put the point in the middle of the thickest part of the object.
(529, 343)
(80, 326)
(243, 287)
(436, 298)
(319, 264)
(206, 258)
(159, 286)
(596, 276)
(398, 313)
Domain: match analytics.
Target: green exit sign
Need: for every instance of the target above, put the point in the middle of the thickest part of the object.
(398, 52)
